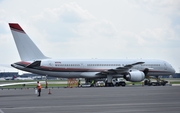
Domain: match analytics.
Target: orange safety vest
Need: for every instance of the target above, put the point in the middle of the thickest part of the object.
(39, 86)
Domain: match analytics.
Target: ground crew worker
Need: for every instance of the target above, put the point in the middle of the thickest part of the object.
(79, 82)
(39, 88)
(92, 83)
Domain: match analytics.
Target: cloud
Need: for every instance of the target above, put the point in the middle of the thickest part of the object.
(69, 12)
(96, 28)
(71, 21)
(60, 23)
(81, 29)
(166, 7)
(170, 9)
(74, 13)
(160, 36)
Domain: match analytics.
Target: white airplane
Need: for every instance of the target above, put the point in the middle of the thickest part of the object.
(34, 61)
(23, 78)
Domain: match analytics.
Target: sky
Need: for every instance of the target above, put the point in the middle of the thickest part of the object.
(101, 29)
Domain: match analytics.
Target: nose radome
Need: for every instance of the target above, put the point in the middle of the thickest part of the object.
(173, 70)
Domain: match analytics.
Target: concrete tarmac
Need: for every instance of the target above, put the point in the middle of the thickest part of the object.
(147, 99)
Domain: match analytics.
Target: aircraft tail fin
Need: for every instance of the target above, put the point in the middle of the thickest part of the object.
(25, 46)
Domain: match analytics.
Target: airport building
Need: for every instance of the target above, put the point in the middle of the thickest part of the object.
(11, 75)
(176, 75)
(8, 74)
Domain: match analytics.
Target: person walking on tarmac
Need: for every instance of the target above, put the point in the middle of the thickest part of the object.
(39, 88)
(92, 83)
(79, 82)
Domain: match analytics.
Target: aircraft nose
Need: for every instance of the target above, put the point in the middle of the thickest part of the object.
(173, 70)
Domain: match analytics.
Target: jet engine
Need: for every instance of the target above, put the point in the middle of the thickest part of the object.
(135, 76)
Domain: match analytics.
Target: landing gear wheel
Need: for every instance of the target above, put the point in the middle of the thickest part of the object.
(163, 83)
(158, 84)
(123, 84)
(150, 84)
(147, 82)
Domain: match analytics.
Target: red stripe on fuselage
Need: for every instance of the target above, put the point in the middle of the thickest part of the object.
(72, 69)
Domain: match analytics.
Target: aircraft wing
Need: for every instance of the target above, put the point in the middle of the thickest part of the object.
(131, 65)
(120, 70)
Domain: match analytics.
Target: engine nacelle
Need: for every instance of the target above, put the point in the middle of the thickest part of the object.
(135, 76)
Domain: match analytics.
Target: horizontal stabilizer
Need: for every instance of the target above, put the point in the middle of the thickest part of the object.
(34, 64)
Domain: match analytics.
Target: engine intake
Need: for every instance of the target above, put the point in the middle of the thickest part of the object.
(135, 76)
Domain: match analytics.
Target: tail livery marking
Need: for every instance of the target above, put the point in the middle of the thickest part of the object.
(16, 27)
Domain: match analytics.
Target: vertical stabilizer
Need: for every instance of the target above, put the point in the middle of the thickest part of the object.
(26, 47)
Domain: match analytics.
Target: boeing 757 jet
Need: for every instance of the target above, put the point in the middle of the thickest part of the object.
(34, 61)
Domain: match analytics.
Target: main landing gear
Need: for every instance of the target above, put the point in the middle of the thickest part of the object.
(158, 83)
